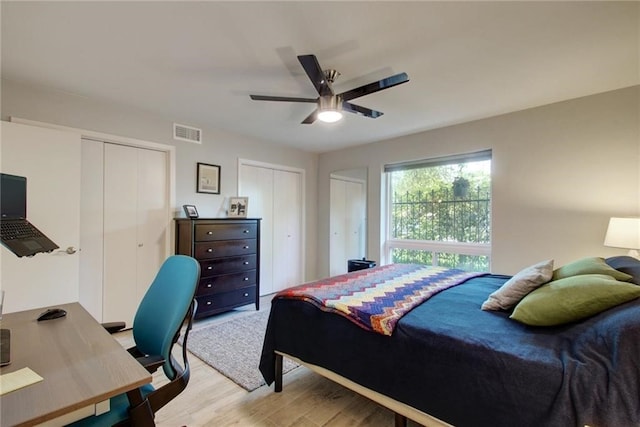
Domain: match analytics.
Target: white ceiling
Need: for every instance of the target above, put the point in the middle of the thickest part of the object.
(197, 62)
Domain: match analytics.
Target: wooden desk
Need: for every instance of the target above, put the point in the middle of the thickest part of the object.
(82, 365)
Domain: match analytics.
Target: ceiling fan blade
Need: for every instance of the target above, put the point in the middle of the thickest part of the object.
(316, 74)
(363, 111)
(311, 118)
(282, 98)
(375, 86)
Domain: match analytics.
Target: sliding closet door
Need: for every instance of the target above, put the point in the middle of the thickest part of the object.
(135, 226)
(152, 217)
(275, 195)
(257, 185)
(92, 227)
(120, 232)
(337, 227)
(346, 223)
(287, 229)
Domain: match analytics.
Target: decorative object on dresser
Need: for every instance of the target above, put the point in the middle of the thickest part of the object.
(238, 207)
(229, 254)
(208, 179)
(190, 211)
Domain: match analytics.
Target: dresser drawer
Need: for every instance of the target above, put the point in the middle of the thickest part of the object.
(234, 264)
(222, 248)
(226, 282)
(210, 304)
(209, 232)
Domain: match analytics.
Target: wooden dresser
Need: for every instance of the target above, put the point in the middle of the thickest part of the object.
(229, 254)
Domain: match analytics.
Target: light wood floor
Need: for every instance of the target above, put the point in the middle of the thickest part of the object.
(307, 399)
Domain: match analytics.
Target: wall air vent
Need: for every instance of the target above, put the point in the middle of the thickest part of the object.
(187, 133)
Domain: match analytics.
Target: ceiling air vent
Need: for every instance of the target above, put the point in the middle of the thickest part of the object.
(187, 133)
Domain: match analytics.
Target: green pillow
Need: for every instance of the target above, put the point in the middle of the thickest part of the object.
(591, 265)
(573, 298)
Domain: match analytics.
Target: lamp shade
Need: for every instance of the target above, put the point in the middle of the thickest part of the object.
(623, 233)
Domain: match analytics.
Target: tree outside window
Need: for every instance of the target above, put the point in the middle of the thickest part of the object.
(439, 212)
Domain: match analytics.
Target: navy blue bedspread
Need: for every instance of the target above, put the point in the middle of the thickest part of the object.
(470, 367)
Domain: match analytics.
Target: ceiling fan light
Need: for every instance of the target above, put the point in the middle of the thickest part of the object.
(329, 116)
(329, 109)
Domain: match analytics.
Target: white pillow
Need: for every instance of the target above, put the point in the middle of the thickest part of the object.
(516, 288)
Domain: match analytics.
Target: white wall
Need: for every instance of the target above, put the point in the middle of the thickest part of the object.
(559, 172)
(218, 147)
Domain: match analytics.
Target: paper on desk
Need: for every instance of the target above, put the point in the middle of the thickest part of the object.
(18, 379)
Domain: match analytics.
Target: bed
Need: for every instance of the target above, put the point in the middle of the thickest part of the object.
(449, 362)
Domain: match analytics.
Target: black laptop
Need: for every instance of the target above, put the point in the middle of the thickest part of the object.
(16, 233)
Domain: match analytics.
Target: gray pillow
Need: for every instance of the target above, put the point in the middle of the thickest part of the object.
(516, 288)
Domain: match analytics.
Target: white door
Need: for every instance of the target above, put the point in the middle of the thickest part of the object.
(287, 230)
(257, 185)
(337, 227)
(152, 227)
(50, 159)
(120, 233)
(91, 227)
(347, 221)
(275, 195)
(135, 227)
(355, 219)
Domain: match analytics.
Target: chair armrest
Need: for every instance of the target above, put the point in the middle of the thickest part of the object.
(113, 327)
(151, 363)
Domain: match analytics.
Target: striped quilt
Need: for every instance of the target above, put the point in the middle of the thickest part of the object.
(375, 299)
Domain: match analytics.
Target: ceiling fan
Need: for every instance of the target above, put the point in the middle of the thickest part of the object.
(329, 104)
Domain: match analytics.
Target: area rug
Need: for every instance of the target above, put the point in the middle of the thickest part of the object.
(233, 348)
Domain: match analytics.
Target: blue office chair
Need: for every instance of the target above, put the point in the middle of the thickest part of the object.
(168, 304)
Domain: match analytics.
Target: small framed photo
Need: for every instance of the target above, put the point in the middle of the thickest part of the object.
(238, 207)
(208, 180)
(190, 211)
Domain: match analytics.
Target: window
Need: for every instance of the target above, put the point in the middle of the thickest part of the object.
(439, 212)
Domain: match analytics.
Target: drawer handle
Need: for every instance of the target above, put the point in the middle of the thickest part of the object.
(246, 294)
(246, 231)
(208, 302)
(246, 263)
(246, 247)
(209, 233)
(209, 285)
(246, 279)
(210, 250)
(209, 267)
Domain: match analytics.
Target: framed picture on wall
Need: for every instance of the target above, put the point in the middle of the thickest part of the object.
(208, 180)
(238, 207)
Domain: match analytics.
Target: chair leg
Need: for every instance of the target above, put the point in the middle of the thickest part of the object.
(140, 412)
